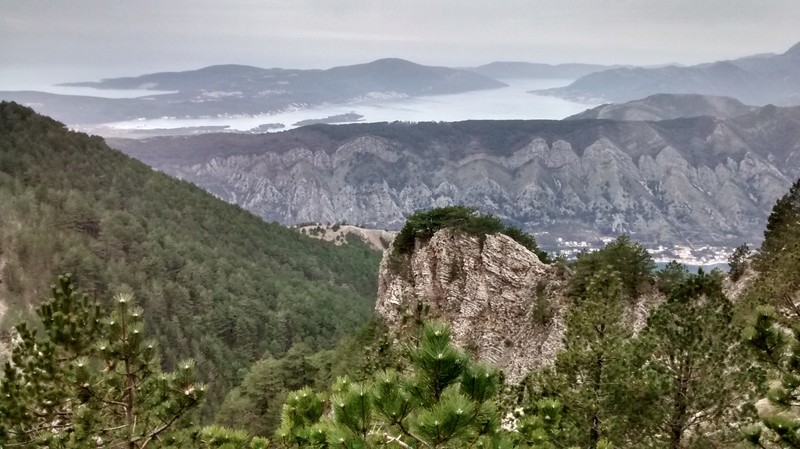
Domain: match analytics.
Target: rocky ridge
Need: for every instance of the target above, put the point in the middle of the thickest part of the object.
(339, 234)
(505, 306)
(698, 180)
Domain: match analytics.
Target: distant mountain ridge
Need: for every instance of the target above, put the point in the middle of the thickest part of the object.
(668, 107)
(238, 89)
(697, 180)
(203, 78)
(757, 80)
(381, 75)
(514, 70)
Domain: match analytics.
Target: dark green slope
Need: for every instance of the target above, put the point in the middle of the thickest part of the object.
(217, 284)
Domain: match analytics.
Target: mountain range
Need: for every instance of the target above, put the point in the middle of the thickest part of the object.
(688, 180)
(758, 80)
(226, 91)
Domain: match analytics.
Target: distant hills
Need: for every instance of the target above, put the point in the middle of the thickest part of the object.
(698, 180)
(212, 77)
(515, 70)
(241, 90)
(390, 75)
(668, 106)
(757, 80)
(238, 89)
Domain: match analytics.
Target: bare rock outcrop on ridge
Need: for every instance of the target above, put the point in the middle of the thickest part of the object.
(505, 306)
(486, 291)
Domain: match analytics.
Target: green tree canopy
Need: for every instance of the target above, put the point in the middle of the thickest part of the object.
(630, 260)
(782, 229)
(217, 284)
(91, 380)
(587, 370)
(444, 401)
(778, 349)
(771, 312)
(693, 377)
(738, 261)
(422, 225)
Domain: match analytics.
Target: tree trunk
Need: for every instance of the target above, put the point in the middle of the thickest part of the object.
(594, 431)
(679, 408)
(130, 419)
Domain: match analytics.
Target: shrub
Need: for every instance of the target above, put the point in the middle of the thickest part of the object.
(423, 225)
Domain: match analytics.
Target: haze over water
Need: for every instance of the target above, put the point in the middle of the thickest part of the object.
(508, 103)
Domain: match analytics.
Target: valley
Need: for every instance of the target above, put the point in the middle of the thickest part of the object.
(690, 196)
(416, 225)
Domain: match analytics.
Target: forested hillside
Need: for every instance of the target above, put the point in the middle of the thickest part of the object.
(216, 283)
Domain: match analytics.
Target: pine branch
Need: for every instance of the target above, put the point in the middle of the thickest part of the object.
(164, 427)
(391, 439)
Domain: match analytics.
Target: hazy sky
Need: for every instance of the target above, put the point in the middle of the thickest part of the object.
(73, 38)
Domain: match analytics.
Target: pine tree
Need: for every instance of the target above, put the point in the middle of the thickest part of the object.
(738, 261)
(446, 401)
(255, 405)
(541, 426)
(777, 262)
(782, 227)
(671, 275)
(697, 377)
(772, 314)
(93, 380)
(630, 260)
(34, 391)
(217, 437)
(777, 344)
(587, 370)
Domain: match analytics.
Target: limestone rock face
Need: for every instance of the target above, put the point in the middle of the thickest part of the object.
(496, 295)
(701, 180)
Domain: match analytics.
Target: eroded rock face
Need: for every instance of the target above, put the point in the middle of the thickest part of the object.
(486, 291)
(699, 180)
(504, 305)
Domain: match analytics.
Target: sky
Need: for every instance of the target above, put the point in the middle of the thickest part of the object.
(71, 40)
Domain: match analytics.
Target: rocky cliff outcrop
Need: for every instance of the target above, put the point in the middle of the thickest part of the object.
(504, 305)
